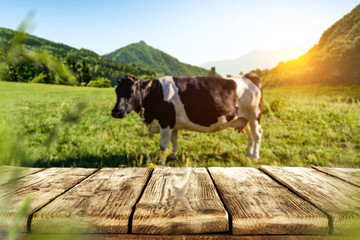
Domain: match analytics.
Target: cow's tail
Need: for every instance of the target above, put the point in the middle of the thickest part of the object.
(256, 80)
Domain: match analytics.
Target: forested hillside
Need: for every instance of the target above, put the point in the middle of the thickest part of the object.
(162, 63)
(334, 60)
(84, 64)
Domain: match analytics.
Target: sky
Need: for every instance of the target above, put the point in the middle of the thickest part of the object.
(193, 31)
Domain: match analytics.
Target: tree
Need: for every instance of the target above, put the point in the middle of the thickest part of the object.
(70, 62)
(83, 72)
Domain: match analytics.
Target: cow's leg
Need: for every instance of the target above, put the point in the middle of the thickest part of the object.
(256, 131)
(174, 138)
(165, 135)
(172, 160)
(250, 148)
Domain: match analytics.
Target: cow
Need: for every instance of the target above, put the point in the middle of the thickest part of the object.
(201, 104)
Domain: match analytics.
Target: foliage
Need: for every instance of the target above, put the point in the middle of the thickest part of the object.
(19, 217)
(148, 57)
(39, 78)
(334, 60)
(23, 58)
(13, 152)
(22, 65)
(302, 127)
(100, 83)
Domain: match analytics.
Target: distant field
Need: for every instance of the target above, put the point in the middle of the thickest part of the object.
(48, 125)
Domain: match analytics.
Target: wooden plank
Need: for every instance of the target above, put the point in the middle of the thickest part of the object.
(337, 198)
(100, 204)
(10, 188)
(350, 175)
(259, 205)
(11, 173)
(41, 187)
(26, 236)
(180, 201)
(211, 237)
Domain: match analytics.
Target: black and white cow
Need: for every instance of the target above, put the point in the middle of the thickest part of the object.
(202, 104)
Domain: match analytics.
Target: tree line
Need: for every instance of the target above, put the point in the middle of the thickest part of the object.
(26, 58)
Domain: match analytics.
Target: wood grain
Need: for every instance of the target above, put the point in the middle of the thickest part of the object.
(180, 201)
(350, 175)
(337, 198)
(26, 236)
(11, 173)
(41, 187)
(100, 204)
(259, 205)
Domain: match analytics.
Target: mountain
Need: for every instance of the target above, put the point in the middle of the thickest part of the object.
(334, 60)
(85, 64)
(257, 59)
(145, 56)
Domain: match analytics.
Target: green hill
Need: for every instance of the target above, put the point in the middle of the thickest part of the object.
(146, 56)
(85, 64)
(334, 60)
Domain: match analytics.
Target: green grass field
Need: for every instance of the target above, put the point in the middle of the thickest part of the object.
(48, 125)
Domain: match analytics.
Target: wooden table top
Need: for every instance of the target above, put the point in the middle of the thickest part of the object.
(184, 203)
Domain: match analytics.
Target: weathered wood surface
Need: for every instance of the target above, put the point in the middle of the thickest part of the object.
(42, 187)
(259, 205)
(180, 201)
(10, 178)
(100, 204)
(25, 236)
(350, 175)
(337, 198)
(185, 201)
(9, 173)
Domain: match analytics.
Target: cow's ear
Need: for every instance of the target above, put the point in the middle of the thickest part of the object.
(136, 82)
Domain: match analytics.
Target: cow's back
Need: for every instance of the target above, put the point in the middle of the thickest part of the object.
(201, 101)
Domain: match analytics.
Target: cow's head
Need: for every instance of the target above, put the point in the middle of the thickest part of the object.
(127, 96)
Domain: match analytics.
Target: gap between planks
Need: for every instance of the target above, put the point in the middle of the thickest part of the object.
(137, 201)
(222, 200)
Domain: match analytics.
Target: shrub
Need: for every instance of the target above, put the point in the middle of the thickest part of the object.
(100, 82)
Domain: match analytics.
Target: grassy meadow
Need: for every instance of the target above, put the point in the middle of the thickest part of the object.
(49, 125)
